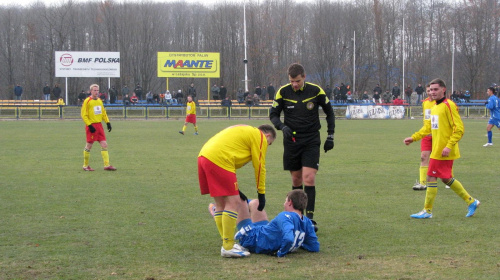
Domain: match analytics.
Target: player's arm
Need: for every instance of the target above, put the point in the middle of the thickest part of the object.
(275, 112)
(324, 102)
(311, 243)
(288, 238)
(457, 124)
(490, 104)
(258, 151)
(85, 112)
(424, 131)
(104, 114)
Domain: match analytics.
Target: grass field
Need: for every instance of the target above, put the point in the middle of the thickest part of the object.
(148, 221)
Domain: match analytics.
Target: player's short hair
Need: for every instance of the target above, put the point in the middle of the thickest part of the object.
(295, 70)
(93, 85)
(438, 82)
(492, 90)
(428, 85)
(266, 128)
(298, 199)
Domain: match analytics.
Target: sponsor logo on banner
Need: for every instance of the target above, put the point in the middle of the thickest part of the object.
(375, 112)
(188, 65)
(87, 64)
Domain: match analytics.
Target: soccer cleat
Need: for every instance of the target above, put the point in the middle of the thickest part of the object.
(315, 225)
(419, 187)
(181, 132)
(488, 144)
(88, 168)
(196, 133)
(211, 209)
(422, 215)
(235, 252)
(110, 168)
(239, 247)
(472, 208)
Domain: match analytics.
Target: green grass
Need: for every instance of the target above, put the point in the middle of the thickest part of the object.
(148, 221)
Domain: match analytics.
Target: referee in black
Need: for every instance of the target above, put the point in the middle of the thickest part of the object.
(300, 101)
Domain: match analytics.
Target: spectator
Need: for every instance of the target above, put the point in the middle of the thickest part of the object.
(395, 91)
(222, 92)
(455, 97)
(149, 97)
(179, 96)
(18, 92)
(386, 97)
(419, 90)
(467, 96)
(81, 97)
(192, 91)
(365, 97)
(328, 92)
(378, 89)
(162, 98)
(263, 94)
(343, 93)
(408, 92)
(256, 99)
(398, 101)
(113, 93)
(226, 102)
(138, 92)
(336, 94)
(168, 98)
(126, 100)
(56, 91)
(134, 99)
(249, 100)
(215, 92)
(376, 97)
(156, 98)
(125, 90)
(46, 92)
(240, 95)
(258, 90)
(102, 96)
(271, 91)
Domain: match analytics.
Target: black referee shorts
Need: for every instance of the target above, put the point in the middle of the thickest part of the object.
(304, 152)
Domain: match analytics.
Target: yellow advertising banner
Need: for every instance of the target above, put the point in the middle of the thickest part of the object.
(188, 65)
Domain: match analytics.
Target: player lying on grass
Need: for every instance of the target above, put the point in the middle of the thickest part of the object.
(286, 233)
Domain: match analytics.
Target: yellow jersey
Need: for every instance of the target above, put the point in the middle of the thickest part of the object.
(446, 127)
(191, 108)
(234, 147)
(93, 111)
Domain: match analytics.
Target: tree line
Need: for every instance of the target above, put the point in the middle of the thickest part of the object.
(317, 34)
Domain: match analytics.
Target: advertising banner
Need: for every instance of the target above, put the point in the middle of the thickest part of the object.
(87, 64)
(188, 65)
(374, 112)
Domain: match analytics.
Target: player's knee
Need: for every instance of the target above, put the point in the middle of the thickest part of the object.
(253, 205)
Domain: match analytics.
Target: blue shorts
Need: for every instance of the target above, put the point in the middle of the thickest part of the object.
(247, 222)
(495, 122)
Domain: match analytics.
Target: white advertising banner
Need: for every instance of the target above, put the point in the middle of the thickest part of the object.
(374, 112)
(87, 64)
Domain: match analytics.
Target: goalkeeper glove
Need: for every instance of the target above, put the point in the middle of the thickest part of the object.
(262, 201)
(109, 126)
(329, 143)
(287, 132)
(91, 128)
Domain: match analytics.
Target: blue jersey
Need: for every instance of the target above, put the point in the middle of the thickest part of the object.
(284, 234)
(493, 103)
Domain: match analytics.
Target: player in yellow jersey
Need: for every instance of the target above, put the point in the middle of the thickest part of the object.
(190, 115)
(447, 129)
(218, 160)
(93, 113)
(426, 144)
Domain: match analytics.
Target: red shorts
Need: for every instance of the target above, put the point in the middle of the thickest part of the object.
(98, 135)
(440, 168)
(426, 143)
(214, 180)
(191, 118)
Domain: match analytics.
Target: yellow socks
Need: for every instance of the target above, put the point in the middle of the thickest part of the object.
(105, 157)
(430, 196)
(184, 128)
(423, 175)
(86, 157)
(228, 227)
(196, 129)
(457, 187)
(218, 221)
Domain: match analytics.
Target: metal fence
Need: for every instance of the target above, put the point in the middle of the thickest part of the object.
(209, 112)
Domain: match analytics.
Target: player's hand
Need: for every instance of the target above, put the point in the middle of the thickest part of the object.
(109, 126)
(91, 128)
(408, 141)
(445, 152)
(329, 144)
(243, 196)
(262, 201)
(287, 132)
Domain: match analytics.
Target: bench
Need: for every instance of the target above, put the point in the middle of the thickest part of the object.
(36, 102)
(234, 102)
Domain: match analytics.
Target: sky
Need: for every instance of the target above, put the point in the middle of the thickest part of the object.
(56, 2)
